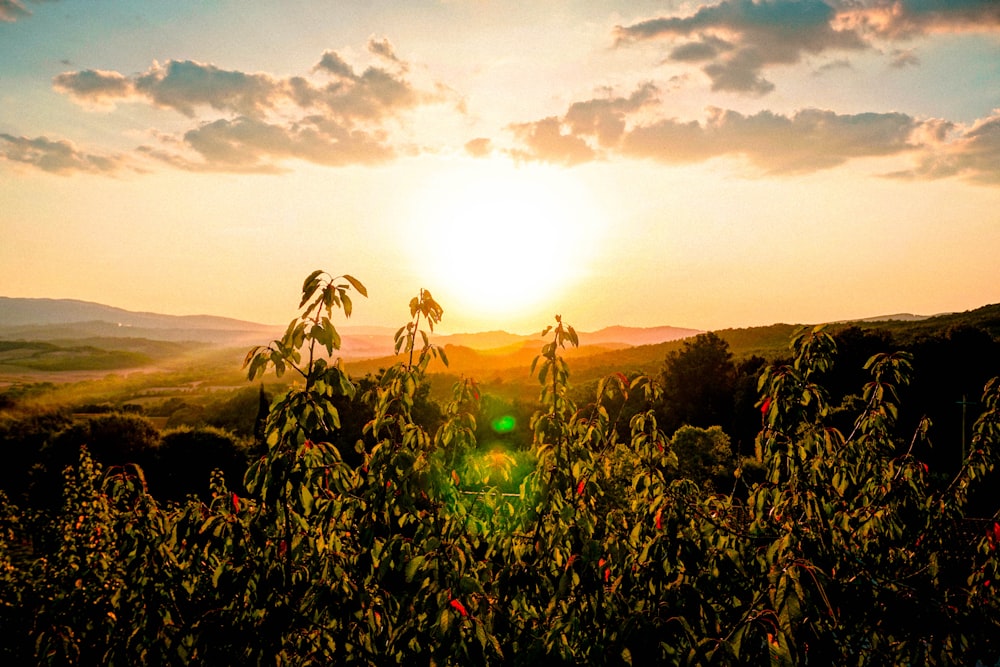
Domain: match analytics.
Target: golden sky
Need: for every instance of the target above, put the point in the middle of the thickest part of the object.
(697, 164)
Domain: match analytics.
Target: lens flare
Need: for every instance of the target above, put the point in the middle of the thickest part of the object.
(504, 424)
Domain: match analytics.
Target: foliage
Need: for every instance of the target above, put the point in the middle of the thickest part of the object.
(841, 553)
(698, 384)
(704, 456)
(185, 458)
(22, 439)
(113, 438)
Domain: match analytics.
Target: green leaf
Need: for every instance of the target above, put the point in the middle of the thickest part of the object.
(412, 567)
(218, 573)
(307, 498)
(444, 620)
(309, 286)
(356, 284)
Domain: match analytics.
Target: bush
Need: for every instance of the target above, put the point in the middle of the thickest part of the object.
(837, 551)
(113, 439)
(183, 462)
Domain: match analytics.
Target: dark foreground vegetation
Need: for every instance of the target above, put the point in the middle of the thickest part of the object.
(726, 512)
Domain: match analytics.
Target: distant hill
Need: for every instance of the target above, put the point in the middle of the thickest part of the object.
(507, 371)
(86, 333)
(71, 319)
(15, 312)
(898, 317)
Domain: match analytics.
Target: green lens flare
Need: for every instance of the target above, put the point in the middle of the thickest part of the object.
(504, 424)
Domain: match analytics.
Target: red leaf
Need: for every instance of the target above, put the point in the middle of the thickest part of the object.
(659, 520)
(580, 487)
(765, 405)
(459, 607)
(236, 502)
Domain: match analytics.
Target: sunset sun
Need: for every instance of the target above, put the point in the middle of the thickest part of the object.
(500, 240)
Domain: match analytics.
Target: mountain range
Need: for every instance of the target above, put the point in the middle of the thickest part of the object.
(73, 320)
(65, 340)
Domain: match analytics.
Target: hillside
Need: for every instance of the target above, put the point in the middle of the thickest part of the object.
(18, 312)
(41, 336)
(66, 323)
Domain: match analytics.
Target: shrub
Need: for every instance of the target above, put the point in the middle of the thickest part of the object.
(838, 551)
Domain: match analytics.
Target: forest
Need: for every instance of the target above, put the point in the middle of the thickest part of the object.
(832, 504)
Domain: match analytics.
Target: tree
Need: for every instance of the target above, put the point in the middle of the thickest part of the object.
(112, 439)
(704, 456)
(698, 383)
(840, 553)
(186, 457)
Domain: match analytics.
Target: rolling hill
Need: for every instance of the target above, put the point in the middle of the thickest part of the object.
(83, 335)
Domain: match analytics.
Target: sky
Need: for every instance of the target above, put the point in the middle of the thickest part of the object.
(696, 164)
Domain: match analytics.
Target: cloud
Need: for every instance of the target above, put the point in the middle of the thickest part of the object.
(94, 86)
(840, 63)
(971, 153)
(706, 48)
(568, 140)
(774, 144)
(184, 85)
(744, 37)
(374, 95)
(545, 141)
(384, 49)
(56, 156)
(12, 10)
(739, 40)
(905, 19)
(187, 86)
(181, 85)
(806, 141)
(245, 145)
(337, 117)
(904, 58)
(479, 147)
(332, 62)
(604, 118)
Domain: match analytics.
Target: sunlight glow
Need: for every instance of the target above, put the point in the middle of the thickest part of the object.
(499, 238)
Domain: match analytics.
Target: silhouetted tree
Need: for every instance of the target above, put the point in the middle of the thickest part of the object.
(698, 382)
(22, 440)
(113, 439)
(186, 457)
(949, 370)
(746, 416)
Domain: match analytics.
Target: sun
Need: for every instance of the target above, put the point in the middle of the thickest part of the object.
(501, 239)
